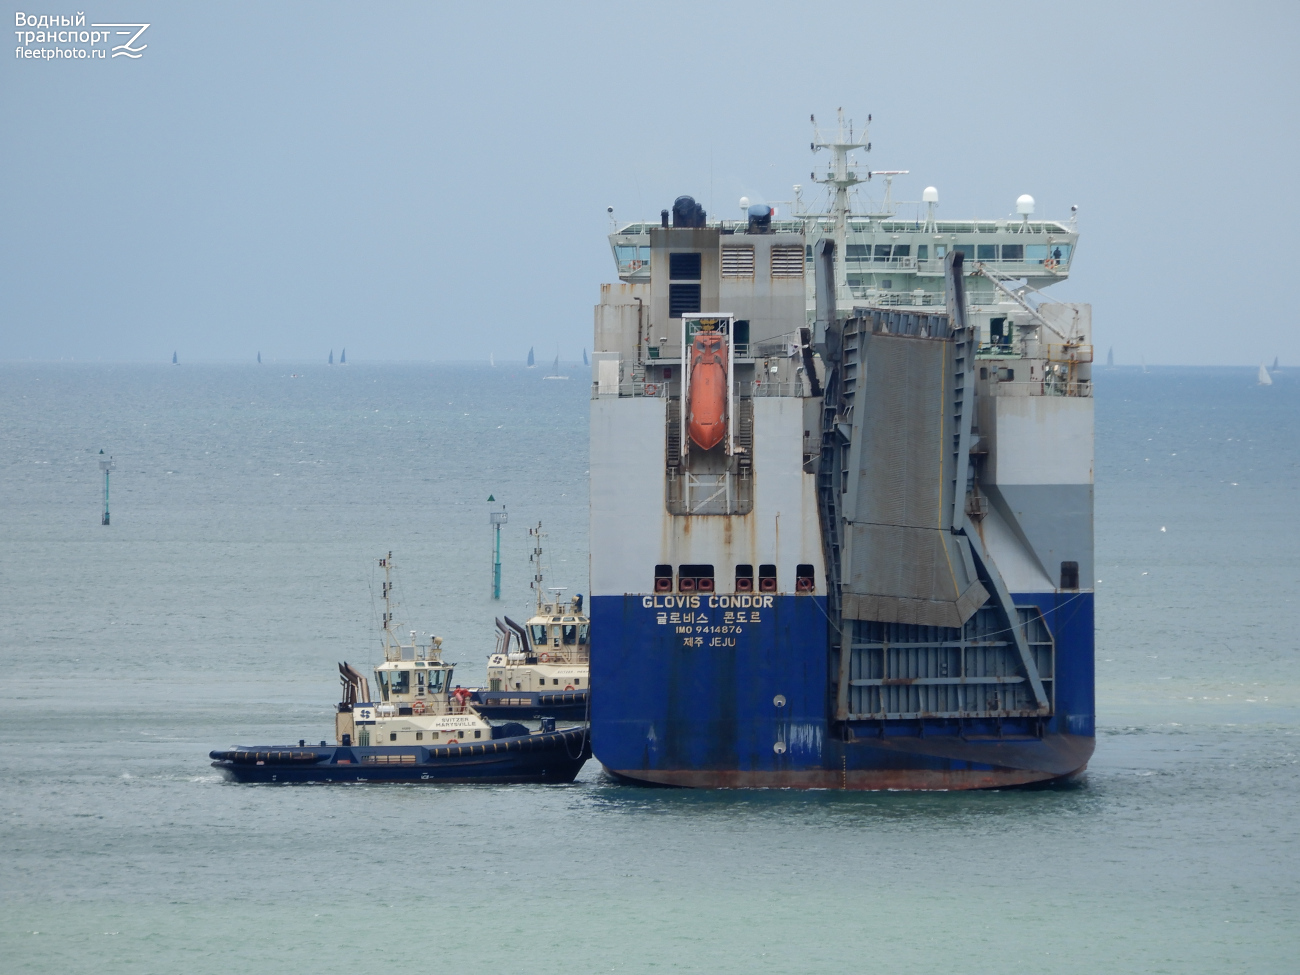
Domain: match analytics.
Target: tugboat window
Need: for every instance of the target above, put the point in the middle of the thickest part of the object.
(435, 681)
(570, 635)
(401, 681)
(539, 634)
(583, 630)
(383, 684)
(392, 736)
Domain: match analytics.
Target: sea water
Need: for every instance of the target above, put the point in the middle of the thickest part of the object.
(249, 505)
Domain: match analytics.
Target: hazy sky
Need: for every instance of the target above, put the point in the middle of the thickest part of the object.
(417, 181)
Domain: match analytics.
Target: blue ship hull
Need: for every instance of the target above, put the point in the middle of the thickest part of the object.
(552, 757)
(702, 691)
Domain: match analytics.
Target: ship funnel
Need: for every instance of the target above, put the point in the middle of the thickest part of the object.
(688, 213)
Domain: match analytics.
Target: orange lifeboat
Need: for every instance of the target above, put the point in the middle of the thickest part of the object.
(708, 394)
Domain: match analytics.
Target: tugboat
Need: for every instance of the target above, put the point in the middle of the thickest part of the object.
(542, 669)
(420, 730)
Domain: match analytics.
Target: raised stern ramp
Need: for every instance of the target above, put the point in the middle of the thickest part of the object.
(926, 626)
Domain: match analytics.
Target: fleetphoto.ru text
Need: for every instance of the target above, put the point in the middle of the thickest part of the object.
(60, 37)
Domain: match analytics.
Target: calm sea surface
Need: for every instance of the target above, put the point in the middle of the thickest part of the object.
(248, 507)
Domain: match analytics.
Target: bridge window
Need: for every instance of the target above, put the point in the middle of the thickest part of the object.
(986, 252)
(967, 251)
(922, 252)
(1035, 253)
(1013, 252)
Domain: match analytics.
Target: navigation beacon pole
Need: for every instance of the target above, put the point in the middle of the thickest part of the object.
(496, 519)
(105, 466)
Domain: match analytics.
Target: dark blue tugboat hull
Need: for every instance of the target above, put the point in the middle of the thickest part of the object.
(553, 757)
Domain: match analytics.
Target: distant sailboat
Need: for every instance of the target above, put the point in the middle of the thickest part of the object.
(343, 359)
(173, 358)
(259, 358)
(555, 371)
(1264, 378)
(331, 357)
(492, 359)
(1144, 364)
(1275, 366)
(531, 361)
(586, 363)
(1110, 357)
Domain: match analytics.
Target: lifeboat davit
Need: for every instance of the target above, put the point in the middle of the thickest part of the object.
(708, 395)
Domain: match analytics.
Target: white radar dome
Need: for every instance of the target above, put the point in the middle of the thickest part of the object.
(930, 195)
(1025, 204)
(744, 203)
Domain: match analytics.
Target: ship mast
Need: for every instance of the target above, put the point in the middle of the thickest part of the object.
(536, 559)
(841, 176)
(392, 645)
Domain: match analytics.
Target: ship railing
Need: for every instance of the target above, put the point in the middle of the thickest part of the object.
(896, 298)
(650, 390)
(1080, 388)
(571, 656)
(756, 389)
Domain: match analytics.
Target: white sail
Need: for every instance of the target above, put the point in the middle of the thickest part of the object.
(1264, 378)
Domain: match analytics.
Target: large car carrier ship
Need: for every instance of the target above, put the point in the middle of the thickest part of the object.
(841, 497)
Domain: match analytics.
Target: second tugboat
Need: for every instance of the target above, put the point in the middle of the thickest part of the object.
(541, 669)
(420, 730)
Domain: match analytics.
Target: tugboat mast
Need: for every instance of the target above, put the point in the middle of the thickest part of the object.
(392, 645)
(536, 559)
